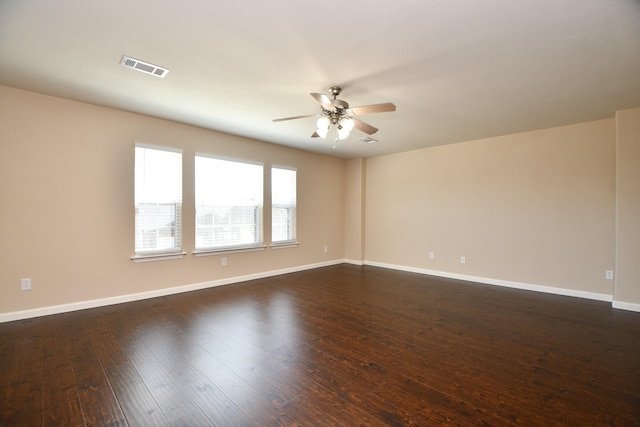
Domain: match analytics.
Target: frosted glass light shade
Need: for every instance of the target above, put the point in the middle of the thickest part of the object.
(345, 128)
(323, 126)
(347, 124)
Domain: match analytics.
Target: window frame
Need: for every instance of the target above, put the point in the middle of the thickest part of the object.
(292, 228)
(258, 223)
(174, 252)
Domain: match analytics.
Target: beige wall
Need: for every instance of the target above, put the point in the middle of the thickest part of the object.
(67, 203)
(354, 210)
(538, 208)
(628, 208)
(535, 208)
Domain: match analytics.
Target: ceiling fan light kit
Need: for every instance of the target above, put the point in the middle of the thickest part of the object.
(322, 125)
(336, 112)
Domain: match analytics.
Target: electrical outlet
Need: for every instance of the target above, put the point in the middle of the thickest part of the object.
(25, 284)
(223, 261)
(463, 260)
(432, 255)
(326, 249)
(608, 275)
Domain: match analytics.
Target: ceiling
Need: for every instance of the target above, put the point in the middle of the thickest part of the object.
(457, 70)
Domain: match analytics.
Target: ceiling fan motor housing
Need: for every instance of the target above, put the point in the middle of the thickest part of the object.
(340, 104)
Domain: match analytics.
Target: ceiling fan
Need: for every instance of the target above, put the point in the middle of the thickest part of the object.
(336, 112)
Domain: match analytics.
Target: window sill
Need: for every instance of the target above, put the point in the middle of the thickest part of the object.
(284, 245)
(157, 257)
(222, 251)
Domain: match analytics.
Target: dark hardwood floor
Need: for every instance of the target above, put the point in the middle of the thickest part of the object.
(335, 346)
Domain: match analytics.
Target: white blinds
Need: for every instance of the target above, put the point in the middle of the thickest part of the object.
(228, 203)
(283, 205)
(158, 200)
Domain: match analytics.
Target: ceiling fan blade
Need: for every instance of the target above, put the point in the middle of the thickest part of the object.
(324, 100)
(374, 108)
(364, 127)
(295, 117)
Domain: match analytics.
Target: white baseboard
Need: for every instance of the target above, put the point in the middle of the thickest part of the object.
(83, 305)
(626, 306)
(498, 282)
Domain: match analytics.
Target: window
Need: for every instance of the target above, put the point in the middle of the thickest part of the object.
(228, 204)
(158, 200)
(283, 205)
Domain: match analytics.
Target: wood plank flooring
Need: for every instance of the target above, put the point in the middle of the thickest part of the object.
(335, 346)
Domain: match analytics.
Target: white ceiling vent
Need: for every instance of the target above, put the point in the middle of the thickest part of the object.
(144, 67)
(368, 140)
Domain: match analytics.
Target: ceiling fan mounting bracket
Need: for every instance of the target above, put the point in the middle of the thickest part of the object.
(335, 91)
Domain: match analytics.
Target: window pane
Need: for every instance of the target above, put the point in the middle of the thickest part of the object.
(228, 203)
(283, 205)
(158, 200)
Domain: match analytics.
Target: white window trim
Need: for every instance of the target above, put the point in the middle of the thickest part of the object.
(230, 159)
(158, 257)
(240, 248)
(284, 244)
(159, 147)
(170, 253)
(280, 244)
(228, 250)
